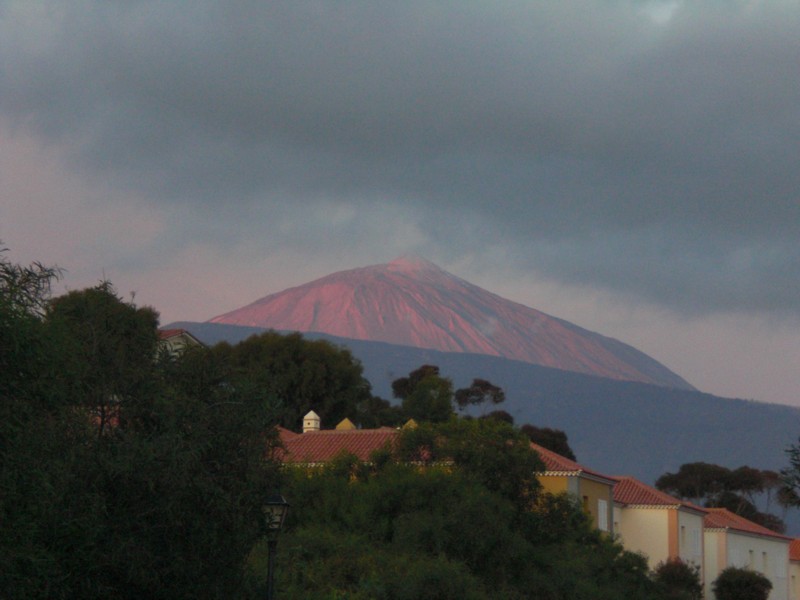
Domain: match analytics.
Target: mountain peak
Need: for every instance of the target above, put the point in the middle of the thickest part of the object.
(411, 263)
(412, 302)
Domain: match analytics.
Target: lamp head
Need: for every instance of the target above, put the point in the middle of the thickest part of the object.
(275, 511)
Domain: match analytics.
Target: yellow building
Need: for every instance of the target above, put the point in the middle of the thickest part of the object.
(594, 490)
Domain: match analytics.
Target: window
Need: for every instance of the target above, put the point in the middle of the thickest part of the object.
(602, 515)
(696, 545)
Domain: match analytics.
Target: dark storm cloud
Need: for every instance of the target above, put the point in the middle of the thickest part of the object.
(604, 142)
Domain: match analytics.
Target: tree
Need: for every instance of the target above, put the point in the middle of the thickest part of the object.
(302, 374)
(695, 481)
(425, 395)
(110, 346)
(790, 494)
(499, 415)
(41, 441)
(376, 412)
(552, 439)
(678, 580)
(440, 532)
(735, 583)
(717, 486)
(480, 392)
(183, 464)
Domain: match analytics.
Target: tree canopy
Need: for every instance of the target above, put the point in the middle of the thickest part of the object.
(471, 523)
(121, 475)
(735, 583)
(735, 489)
(301, 374)
(552, 439)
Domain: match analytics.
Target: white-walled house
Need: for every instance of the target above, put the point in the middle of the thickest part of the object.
(794, 569)
(656, 524)
(174, 341)
(733, 541)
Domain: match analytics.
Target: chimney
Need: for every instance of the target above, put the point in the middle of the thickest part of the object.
(311, 422)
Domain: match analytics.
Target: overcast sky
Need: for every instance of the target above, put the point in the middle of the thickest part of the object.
(631, 166)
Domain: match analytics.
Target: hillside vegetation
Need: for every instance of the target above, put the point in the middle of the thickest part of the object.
(130, 472)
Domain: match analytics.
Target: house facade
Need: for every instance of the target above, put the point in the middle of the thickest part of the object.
(733, 541)
(657, 525)
(794, 569)
(593, 489)
(174, 341)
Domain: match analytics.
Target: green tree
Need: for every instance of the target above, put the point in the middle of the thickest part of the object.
(374, 412)
(735, 583)
(552, 439)
(41, 441)
(439, 532)
(303, 374)
(479, 393)
(716, 486)
(679, 580)
(495, 454)
(790, 476)
(167, 501)
(110, 345)
(425, 395)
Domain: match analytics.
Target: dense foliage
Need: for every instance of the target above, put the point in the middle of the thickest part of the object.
(471, 524)
(739, 490)
(121, 475)
(130, 472)
(552, 439)
(736, 583)
(678, 580)
(303, 374)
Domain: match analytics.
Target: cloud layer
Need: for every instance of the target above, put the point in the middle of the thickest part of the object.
(643, 149)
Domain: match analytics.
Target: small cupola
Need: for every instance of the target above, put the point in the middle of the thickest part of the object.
(311, 422)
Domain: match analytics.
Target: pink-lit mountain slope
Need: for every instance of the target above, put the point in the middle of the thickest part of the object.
(412, 302)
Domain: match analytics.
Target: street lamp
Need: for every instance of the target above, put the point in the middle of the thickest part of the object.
(275, 511)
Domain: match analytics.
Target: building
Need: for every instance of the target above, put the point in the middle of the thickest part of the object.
(733, 541)
(657, 525)
(794, 569)
(594, 490)
(175, 341)
(315, 447)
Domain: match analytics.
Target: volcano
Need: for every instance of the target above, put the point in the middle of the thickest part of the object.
(413, 302)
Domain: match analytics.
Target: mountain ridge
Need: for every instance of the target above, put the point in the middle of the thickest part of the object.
(410, 301)
(617, 427)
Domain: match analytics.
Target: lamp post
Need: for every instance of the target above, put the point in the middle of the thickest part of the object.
(275, 514)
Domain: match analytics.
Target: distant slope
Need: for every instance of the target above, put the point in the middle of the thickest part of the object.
(616, 427)
(412, 302)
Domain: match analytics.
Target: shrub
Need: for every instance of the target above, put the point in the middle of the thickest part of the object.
(678, 580)
(741, 584)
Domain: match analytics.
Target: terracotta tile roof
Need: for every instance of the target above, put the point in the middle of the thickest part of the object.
(555, 464)
(322, 446)
(722, 518)
(168, 333)
(794, 549)
(165, 335)
(632, 492)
